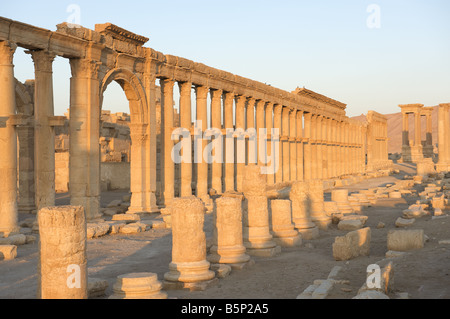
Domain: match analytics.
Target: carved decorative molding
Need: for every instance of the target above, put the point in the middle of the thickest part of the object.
(7, 50)
(84, 68)
(43, 60)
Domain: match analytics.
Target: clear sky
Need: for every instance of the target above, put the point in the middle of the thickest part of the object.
(369, 54)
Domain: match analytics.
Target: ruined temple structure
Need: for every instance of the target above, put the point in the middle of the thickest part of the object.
(315, 139)
(415, 150)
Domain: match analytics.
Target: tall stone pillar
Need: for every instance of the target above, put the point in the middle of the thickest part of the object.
(189, 265)
(300, 154)
(84, 128)
(240, 147)
(283, 231)
(339, 148)
(285, 142)
(26, 203)
(168, 167)
(229, 157)
(260, 124)
(313, 143)
(405, 130)
(319, 147)
(293, 145)
(186, 122)
(139, 136)
(270, 153)
(329, 153)
(62, 267)
(443, 139)
(417, 129)
(277, 123)
(202, 165)
(324, 152)
(44, 134)
(252, 142)
(318, 214)
(307, 147)
(8, 143)
(216, 123)
(257, 237)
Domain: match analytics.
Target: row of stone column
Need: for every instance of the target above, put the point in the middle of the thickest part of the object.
(309, 146)
(444, 137)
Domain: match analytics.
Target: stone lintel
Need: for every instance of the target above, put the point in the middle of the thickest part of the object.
(121, 34)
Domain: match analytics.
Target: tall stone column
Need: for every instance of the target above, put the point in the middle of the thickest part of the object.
(333, 156)
(62, 267)
(443, 139)
(329, 153)
(319, 147)
(270, 153)
(202, 165)
(300, 155)
(346, 149)
(229, 157)
(251, 145)
(139, 136)
(313, 143)
(318, 214)
(417, 129)
(293, 145)
(44, 134)
(84, 128)
(168, 167)
(301, 210)
(8, 143)
(307, 147)
(240, 147)
(260, 124)
(283, 231)
(277, 123)
(405, 129)
(285, 142)
(216, 123)
(26, 201)
(324, 152)
(186, 122)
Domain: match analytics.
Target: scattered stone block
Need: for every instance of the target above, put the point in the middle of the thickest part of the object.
(17, 240)
(350, 224)
(97, 230)
(159, 224)
(116, 227)
(114, 203)
(30, 239)
(444, 242)
(8, 252)
(401, 222)
(133, 228)
(352, 245)
(381, 225)
(97, 287)
(221, 270)
(405, 240)
(395, 254)
(126, 217)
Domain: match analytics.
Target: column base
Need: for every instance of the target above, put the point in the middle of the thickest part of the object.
(191, 286)
(288, 241)
(309, 233)
(241, 266)
(189, 272)
(228, 255)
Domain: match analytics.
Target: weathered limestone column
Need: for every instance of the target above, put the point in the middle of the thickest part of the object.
(228, 246)
(202, 165)
(138, 134)
(240, 151)
(292, 145)
(257, 237)
(26, 202)
(307, 147)
(270, 153)
(339, 149)
(251, 145)
(84, 130)
(417, 129)
(300, 155)
(319, 146)
(44, 134)
(283, 231)
(301, 210)
(8, 143)
(285, 142)
(228, 99)
(443, 138)
(62, 267)
(260, 124)
(340, 196)
(168, 167)
(216, 123)
(277, 123)
(318, 214)
(189, 264)
(186, 122)
(405, 129)
(334, 148)
(313, 143)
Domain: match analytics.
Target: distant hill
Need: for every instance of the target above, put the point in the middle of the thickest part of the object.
(395, 129)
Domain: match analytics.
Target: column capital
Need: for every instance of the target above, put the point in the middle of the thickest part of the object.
(201, 91)
(84, 68)
(7, 50)
(216, 93)
(166, 81)
(277, 108)
(43, 60)
(185, 88)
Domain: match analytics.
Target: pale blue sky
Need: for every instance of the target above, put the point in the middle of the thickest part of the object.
(323, 45)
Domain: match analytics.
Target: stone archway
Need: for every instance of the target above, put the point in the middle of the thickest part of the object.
(139, 128)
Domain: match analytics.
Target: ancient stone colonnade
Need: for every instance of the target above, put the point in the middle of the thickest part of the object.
(316, 139)
(377, 142)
